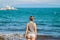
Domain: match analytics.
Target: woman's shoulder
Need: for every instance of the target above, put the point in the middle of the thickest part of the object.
(32, 22)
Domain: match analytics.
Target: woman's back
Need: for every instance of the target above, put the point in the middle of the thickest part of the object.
(31, 26)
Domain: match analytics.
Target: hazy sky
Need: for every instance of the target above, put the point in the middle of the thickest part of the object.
(30, 3)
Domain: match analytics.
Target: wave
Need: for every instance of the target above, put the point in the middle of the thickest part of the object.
(11, 29)
(13, 36)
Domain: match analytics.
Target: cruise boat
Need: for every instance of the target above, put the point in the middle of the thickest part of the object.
(8, 8)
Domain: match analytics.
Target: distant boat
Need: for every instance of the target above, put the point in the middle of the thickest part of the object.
(8, 8)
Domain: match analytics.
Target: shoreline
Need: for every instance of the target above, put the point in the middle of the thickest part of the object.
(19, 37)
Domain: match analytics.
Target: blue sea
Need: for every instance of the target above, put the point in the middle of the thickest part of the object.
(46, 19)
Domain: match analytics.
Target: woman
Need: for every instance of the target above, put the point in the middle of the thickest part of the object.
(31, 30)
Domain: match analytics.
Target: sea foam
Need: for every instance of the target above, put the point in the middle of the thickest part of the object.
(12, 36)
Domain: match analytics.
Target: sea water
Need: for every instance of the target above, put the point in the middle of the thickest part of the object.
(46, 19)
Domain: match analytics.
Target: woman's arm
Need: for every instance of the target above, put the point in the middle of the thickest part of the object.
(26, 28)
(35, 30)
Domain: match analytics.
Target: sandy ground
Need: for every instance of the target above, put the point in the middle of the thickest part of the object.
(43, 37)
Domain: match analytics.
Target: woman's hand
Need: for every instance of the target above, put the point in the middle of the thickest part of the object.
(26, 35)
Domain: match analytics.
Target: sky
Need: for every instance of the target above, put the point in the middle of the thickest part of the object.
(30, 3)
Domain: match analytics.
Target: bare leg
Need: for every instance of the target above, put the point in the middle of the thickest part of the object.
(33, 38)
(28, 39)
